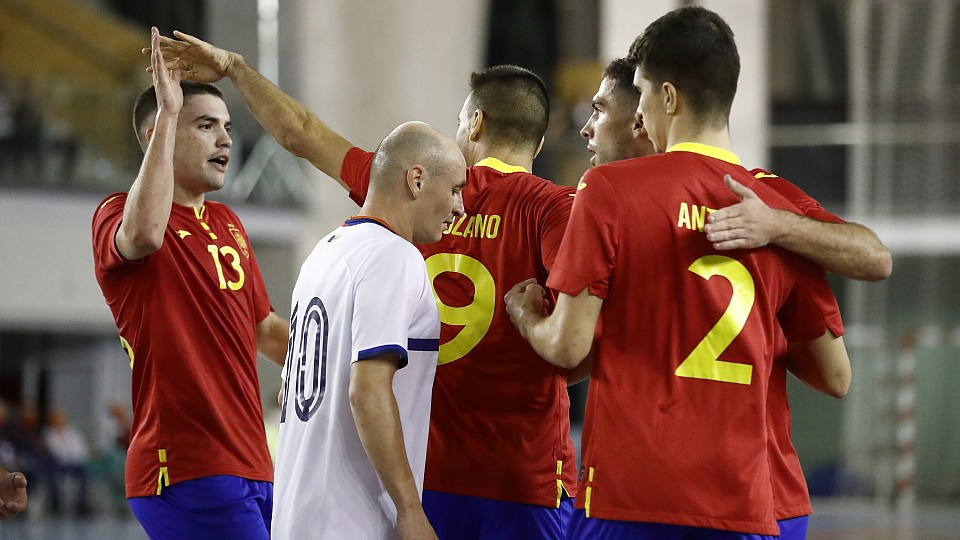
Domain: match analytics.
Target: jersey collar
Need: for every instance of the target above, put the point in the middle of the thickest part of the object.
(706, 150)
(498, 165)
(356, 220)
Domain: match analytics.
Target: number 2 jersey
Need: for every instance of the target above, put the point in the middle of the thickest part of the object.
(500, 426)
(676, 429)
(187, 317)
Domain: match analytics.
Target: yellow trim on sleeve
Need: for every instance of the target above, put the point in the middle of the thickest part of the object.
(706, 150)
(764, 175)
(108, 201)
(498, 165)
(128, 349)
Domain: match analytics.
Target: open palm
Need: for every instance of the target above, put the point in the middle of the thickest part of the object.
(196, 59)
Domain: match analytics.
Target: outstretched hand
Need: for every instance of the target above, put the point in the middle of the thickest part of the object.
(197, 60)
(13, 494)
(166, 81)
(745, 225)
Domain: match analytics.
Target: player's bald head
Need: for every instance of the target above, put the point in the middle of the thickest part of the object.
(412, 143)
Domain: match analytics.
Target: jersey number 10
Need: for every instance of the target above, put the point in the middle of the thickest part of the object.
(310, 374)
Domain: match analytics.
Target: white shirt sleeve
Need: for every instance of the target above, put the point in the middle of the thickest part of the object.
(386, 292)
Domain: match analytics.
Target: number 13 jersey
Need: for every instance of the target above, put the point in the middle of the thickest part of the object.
(675, 429)
(499, 426)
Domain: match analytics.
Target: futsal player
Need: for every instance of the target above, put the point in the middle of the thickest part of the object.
(690, 460)
(363, 352)
(500, 460)
(186, 293)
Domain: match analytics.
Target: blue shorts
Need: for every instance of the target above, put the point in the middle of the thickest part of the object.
(461, 517)
(207, 508)
(794, 528)
(590, 528)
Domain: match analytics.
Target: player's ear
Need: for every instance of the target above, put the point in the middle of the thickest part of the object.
(671, 103)
(476, 124)
(415, 180)
(539, 148)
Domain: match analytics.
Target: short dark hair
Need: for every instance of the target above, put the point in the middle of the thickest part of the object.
(694, 49)
(620, 71)
(145, 107)
(514, 103)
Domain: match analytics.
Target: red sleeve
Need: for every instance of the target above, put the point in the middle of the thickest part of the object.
(588, 251)
(554, 215)
(355, 172)
(807, 205)
(811, 308)
(106, 221)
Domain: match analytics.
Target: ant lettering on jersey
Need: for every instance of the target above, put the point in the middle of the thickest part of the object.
(693, 217)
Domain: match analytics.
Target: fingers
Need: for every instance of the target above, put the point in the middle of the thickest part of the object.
(19, 480)
(738, 189)
(738, 243)
(188, 38)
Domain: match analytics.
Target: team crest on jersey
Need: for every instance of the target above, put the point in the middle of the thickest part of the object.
(241, 241)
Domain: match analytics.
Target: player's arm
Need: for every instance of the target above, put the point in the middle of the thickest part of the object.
(272, 334)
(846, 249)
(563, 338)
(581, 372)
(822, 364)
(289, 122)
(377, 417)
(13, 493)
(148, 204)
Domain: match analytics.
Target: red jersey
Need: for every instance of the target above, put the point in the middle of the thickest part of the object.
(675, 427)
(187, 316)
(790, 495)
(500, 421)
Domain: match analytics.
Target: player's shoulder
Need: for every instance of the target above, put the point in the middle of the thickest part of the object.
(114, 199)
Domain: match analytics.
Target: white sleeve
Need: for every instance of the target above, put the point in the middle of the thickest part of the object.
(386, 291)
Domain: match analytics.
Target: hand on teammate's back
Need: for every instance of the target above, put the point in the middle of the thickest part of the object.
(746, 225)
(197, 60)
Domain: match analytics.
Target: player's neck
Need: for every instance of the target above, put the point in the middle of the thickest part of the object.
(388, 213)
(185, 197)
(685, 131)
(509, 156)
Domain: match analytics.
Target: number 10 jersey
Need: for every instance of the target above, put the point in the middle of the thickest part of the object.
(500, 426)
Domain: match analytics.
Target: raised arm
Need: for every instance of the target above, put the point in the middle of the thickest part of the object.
(377, 417)
(147, 209)
(297, 129)
(822, 364)
(563, 338)
(846, 249)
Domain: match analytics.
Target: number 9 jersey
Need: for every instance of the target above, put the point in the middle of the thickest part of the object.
(499, 426)
(675, 429)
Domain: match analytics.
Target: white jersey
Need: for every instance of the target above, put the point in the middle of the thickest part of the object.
(362, 291)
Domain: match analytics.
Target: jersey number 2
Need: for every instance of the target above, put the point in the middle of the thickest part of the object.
(475, 317)
(703, 362)
(310, 374)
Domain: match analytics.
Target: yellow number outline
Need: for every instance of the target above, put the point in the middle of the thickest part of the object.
(703, 362)
(476, 316)
(227, 251)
